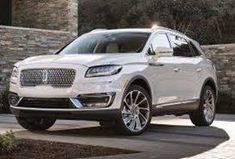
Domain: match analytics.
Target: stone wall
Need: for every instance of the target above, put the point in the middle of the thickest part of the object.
(223, 57)
(44, 14)
(18, 43)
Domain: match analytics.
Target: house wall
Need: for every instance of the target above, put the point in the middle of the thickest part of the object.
(44, 14)
(18, 43)
(223, 57)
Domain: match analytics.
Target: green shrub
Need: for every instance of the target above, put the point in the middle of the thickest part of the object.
(7, 142)
(226, 103)
(4, 104)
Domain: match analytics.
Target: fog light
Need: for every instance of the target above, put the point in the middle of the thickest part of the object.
(100, 100)
(13, 99)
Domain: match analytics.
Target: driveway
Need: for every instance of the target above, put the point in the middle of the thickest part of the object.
(168, 137)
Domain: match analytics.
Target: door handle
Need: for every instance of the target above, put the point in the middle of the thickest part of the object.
(156, 64)
(176, 69)
(199, 69)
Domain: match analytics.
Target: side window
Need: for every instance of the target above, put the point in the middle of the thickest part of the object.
(160, 40)
(180, 46)
(196, 52)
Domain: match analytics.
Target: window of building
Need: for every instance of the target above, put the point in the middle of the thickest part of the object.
(5, 12)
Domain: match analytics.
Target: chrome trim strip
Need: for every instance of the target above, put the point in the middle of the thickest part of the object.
(109, 95)
(76, 103)
(59, 110)
(189, 101)
(19, 101)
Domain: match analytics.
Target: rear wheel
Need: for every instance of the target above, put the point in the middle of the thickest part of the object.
(33, 124)
(135, 115)
(205, 114)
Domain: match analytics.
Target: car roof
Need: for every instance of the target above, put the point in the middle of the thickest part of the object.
(141, 30)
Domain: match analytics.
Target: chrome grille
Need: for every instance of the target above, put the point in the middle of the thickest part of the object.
(53, 77)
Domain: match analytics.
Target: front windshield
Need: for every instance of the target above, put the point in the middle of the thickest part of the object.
(126, 42)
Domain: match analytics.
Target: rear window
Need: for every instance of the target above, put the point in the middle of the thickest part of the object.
(196, 52)
(180, 46)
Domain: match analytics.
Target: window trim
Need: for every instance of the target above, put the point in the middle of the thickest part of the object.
(191, 44)
(153, 37)
(186, 40)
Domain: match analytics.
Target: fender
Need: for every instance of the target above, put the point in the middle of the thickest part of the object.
(138, 77)
(216, 87)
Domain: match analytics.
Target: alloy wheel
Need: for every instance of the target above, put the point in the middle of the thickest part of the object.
(135, 111)
(209, 106)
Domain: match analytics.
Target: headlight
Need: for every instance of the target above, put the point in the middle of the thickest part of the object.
(14, 72)
(105, 70)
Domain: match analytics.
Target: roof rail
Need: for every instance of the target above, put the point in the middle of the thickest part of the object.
(96, 30)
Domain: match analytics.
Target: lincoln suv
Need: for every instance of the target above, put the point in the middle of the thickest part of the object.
(120, 78)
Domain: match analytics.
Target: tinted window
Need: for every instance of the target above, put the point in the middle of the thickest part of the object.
(180, 46)
(160, 40)
(196, 52)
(127, 42)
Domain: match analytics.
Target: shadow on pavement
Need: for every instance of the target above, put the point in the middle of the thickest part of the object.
(168, 141)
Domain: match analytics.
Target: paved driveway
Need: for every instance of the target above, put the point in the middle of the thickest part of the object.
(168, 137)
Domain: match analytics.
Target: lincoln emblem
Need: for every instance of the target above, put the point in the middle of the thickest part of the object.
(44, 76)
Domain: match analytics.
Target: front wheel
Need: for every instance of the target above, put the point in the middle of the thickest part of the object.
(205, 114)
(135, 114)
(33, 124)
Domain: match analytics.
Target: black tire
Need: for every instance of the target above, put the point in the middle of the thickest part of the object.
(34, 124)
(198, 117)
(121, 126)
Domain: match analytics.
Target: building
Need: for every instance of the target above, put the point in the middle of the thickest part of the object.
(41, 14)
(33, 27)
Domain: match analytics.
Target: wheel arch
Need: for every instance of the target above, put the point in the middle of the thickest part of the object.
(141, 81)
(210, 82)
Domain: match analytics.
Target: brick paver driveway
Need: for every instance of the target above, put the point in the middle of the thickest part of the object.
(168, 137)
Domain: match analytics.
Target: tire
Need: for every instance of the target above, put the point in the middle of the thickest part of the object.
(34, 124)
(135, 115)
(205, 114)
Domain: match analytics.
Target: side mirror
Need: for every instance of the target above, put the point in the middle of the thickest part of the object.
(163, 52)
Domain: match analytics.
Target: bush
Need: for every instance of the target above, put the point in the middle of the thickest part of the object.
(4, 104)
(207, 21)
(7, 142)
(226, 103)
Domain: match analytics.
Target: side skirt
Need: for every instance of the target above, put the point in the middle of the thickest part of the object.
(176, 108)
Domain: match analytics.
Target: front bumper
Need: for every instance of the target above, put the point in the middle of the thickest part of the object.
(89, 114)
(86, 107)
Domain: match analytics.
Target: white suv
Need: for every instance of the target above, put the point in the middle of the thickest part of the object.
(118, 77)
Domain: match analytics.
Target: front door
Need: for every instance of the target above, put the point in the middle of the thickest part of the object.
(186, 84)
(163, 74)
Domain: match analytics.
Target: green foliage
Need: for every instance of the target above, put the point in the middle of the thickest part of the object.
(4, 104)
(207, 21)
(7, 142)
(226, 102)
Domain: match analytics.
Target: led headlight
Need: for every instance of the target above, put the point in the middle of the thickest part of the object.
(105, 70)
(14, 72)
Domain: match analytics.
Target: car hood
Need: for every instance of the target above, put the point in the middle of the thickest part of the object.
(85, 59)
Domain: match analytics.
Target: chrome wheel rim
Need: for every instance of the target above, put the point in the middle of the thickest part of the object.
(135, 111)
(209, 106)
